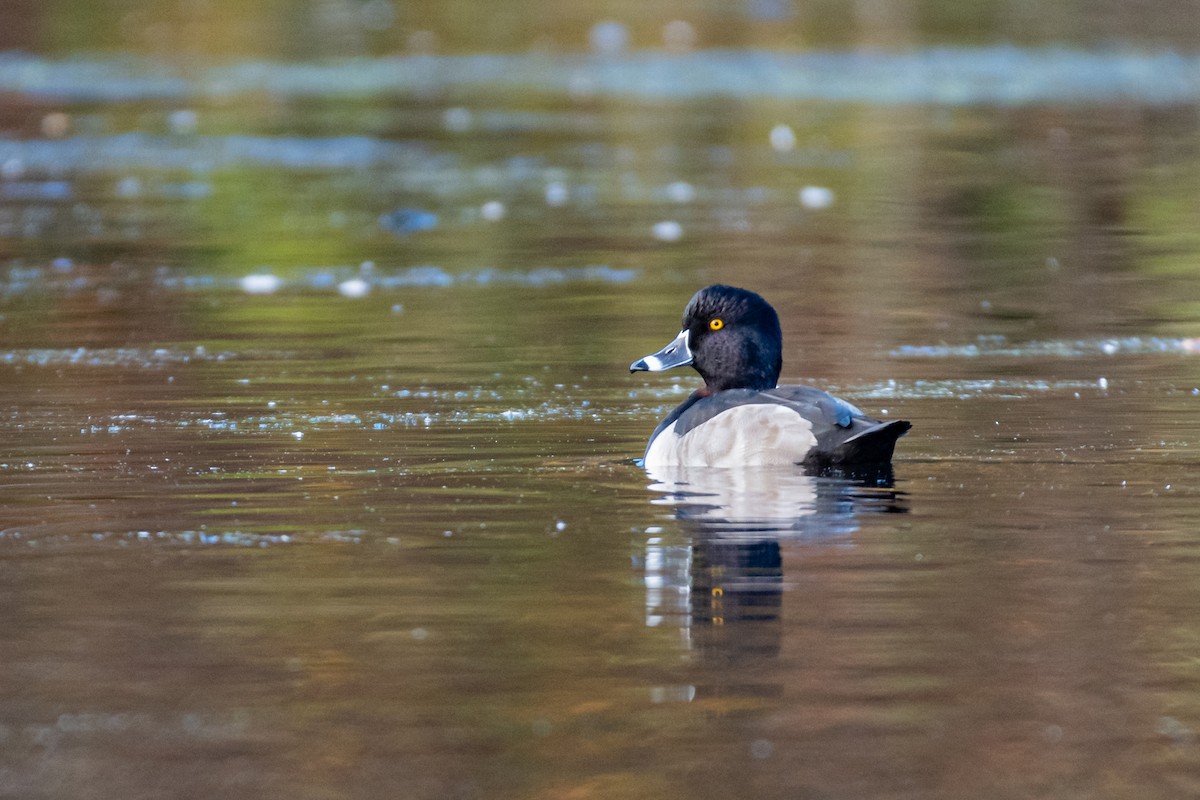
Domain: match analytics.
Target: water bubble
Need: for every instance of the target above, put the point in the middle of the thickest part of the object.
(668, 231)
(560, 526)
(782, 138)
(681, 192)
(456, 119)
(816, 197)
(12, 169)
(608, 37)
(556, 194)
(129, 187)
(297, 435)
(354, 287)
(261, 283)
(183, 121)
(493, 211)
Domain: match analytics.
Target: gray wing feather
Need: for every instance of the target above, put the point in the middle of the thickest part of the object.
(822, 409)
(843, 432)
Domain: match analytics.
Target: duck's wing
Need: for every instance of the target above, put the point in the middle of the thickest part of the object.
(829, 415)
(845, 435)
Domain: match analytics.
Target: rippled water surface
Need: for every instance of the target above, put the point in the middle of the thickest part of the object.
(317, 454)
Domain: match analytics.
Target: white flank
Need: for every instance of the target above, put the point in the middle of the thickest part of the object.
(753, 435)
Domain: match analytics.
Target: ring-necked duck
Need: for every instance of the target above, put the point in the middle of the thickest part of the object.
(741, 417)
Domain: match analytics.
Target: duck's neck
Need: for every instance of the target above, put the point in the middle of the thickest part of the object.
(753, 363)
(756, 380)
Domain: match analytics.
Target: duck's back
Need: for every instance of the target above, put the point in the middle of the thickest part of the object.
(780, 426)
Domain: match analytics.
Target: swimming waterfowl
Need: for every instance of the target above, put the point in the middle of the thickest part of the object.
(741, 416)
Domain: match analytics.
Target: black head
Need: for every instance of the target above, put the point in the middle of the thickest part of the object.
(731, 336)
(734, 337)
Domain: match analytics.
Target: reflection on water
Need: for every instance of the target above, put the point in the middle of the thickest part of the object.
(771, 502)
(723, 585)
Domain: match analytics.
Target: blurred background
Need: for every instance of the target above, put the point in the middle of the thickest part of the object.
(317, 437)
(299, 31)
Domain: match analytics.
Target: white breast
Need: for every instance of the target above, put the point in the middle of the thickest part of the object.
(753, 435)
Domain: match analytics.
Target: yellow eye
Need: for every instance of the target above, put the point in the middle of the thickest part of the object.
(716, 324)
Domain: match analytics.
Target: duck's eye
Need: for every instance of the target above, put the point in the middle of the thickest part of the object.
(716, 324)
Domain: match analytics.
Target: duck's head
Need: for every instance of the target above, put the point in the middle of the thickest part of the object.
(730, 336)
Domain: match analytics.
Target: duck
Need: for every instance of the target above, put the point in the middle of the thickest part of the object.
(742, 417)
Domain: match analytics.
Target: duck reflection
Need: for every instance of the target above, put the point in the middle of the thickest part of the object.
(723, 583)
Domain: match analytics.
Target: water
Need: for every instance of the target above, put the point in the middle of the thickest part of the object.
(317, 458)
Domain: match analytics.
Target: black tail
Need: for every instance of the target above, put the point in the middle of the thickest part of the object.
(872, 446)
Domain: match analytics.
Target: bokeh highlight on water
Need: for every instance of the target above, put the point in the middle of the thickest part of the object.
(318, 453)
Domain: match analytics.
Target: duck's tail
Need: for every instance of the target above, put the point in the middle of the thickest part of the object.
(873, 445)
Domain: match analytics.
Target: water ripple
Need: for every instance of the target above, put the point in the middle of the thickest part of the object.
(952, 76)
(1000, 347)
(142, 358)
(65, 277)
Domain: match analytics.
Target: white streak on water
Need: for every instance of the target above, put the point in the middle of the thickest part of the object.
(345, 279)
(999, 347)
(997, 75)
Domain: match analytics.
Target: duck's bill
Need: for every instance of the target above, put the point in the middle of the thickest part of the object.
(676, 354)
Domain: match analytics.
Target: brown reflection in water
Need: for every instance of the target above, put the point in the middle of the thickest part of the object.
(1006, 654)
(736, 596)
